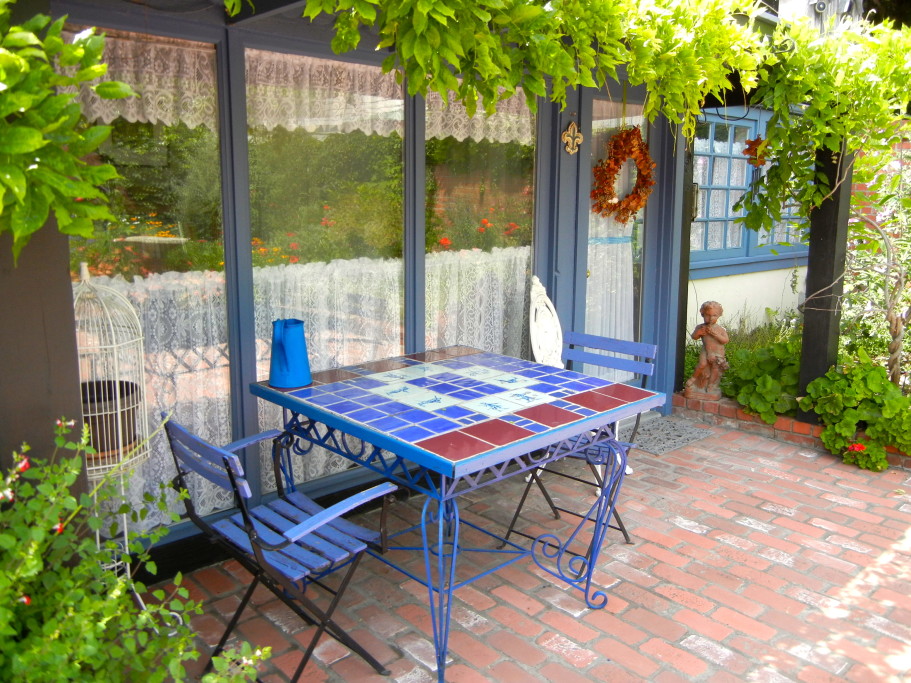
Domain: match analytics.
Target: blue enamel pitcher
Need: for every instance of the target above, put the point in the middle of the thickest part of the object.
(290, 366)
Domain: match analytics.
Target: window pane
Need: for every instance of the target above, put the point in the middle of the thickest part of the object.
(720, 171)
(735, 235)
(164, 252)
(721, 143)
(701, 143)
(719, 203)
(701, 170)
(326, 215)
(716, 235)
(613, 287)
(480, 200)
(697, 236)
(738, 172)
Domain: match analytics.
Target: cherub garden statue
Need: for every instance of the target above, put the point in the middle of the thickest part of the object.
(706, 380)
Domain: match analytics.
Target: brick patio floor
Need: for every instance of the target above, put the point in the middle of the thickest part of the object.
(752, 559)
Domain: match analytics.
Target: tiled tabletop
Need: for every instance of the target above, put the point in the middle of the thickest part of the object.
(456, 410)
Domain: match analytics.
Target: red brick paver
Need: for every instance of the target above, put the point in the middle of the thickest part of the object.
(752, 559)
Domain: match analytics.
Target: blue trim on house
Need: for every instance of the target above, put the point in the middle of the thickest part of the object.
(741, 265)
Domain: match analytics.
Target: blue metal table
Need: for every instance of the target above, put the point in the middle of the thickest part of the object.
(452, 420)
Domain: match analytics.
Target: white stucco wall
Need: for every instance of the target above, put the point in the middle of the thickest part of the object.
(746, 297)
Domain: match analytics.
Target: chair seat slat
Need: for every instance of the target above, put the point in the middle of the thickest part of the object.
(330, 534)
(311, 560)
(294, 571)
(280, 523)
(348, 528)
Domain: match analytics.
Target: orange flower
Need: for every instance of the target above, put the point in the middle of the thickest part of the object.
(445, 242)
(294, 259)
(754, 150)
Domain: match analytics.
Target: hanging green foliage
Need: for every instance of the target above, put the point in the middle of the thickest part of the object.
(839, 93)
(43, 137)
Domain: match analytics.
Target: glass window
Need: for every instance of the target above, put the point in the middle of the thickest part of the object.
(479, 207)
(614, 250)
(326, 215)
(164, 251)
(723, 174)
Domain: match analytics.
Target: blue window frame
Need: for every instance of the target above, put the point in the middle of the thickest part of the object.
(719, 245)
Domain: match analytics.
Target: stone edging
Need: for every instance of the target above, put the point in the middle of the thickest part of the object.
(727, 412)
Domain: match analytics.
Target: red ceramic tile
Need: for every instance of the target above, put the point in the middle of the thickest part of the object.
(497, 432)
(596, 401)
(549, 415)
(330, 376)
(456, 351)
(428, 356)
(454, 445)
(384, 365)
(624, 392)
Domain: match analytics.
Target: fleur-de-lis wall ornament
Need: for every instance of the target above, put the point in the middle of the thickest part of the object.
(572, 138)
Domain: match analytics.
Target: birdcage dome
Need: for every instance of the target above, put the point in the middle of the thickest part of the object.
(111, 372)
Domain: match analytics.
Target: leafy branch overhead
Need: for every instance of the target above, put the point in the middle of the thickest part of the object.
(43, 137)
(833, 92)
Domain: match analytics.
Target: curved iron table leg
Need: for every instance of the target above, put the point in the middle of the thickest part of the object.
(440, 564)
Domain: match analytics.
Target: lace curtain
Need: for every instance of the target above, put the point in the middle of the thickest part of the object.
(176, 81)
(610, 296)
(183, 319)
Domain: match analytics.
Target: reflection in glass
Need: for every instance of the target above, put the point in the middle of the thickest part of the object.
(614, 249)
(479, 198)
(164, 252)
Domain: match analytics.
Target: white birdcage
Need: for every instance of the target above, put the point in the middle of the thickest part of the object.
(112, 380)
(111, 373)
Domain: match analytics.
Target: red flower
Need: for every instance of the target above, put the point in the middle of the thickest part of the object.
(294, 259)
(289, 234)
(294, 245)
(25, 600)
(484, 221)
(58, 527)
(23, 465)
(482, 229)
(857, 447)
(445, 242)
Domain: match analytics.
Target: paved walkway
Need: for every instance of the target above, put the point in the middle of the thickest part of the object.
(753, 560)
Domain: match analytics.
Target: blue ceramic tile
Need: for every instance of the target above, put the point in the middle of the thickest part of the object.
(535, 427)
(466, 394)
(544, 387)
(345, 407)
(412, 434)
(454, 412)
(440, 425)
(414, 415)
(352, 393)
(388, 423)
(445, 388)
(393, 407)
(422, 381)
(455, 364)
(577, 386)
(364, 383)
(467, 383)
(366, 415)
(447, 377)
(488, 389)
(325, 400)
(373, 400)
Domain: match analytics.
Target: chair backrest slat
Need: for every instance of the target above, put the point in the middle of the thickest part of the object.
(626, 348)
(192, 454)
(613, 362)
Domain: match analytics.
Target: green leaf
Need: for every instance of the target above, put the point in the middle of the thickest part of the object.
(20, 139)
(114, 90)
(13, 178)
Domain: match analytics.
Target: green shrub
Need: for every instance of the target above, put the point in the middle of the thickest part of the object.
(765, 380)
(859, 396)
(65, 613)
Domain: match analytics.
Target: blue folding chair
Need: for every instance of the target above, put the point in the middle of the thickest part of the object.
(287, 544)
(552, 347)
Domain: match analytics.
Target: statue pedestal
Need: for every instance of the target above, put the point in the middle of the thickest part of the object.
(702, 395)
